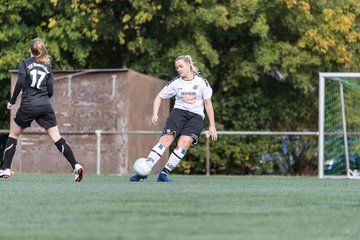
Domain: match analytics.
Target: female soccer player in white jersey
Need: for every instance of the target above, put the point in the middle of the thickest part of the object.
(35, 80)
(192, 92)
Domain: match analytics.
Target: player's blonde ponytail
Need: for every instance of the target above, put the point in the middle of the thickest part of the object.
(39, 51)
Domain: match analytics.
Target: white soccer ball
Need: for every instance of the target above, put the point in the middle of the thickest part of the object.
(142, 167)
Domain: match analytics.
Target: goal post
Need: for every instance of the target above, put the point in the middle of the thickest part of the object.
(339, 125)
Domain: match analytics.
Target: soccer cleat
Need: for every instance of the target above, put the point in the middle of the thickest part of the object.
(163, 178)
(137, 178)
(79, 172)
(5, 173)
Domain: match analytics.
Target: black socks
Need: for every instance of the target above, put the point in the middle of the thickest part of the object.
(65, 150)
(9, 152)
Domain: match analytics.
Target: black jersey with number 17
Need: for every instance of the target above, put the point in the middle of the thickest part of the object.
(37, 87)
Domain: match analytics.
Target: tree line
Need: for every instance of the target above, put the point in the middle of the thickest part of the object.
(262, 59)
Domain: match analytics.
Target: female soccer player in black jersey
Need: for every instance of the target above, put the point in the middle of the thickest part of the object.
(35, 80)
(192, 94)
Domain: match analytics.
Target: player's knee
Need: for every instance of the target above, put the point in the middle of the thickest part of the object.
(166, 140)
(185, 143)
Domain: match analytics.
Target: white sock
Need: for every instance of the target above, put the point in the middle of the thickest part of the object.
(155, 154)
(175, 158)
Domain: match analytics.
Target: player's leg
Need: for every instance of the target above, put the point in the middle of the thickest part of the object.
(155, 154)
(10, 148)
(171, 130)
(46, 118)
(158, 150)
(179, 152)
(23, 118)
(173, 123)
(62, 145)
(190, 133)
(66, 150)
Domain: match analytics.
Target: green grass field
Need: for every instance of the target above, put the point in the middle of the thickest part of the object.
(192, 207)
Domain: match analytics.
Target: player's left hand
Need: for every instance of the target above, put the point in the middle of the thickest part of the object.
(9, 105)
(213, 133)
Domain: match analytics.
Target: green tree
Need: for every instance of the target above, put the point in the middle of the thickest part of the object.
(237, 44)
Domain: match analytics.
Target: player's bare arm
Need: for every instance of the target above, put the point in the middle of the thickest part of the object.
(156, 106)
(210, 112)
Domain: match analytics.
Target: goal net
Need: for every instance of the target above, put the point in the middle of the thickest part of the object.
(339, 125)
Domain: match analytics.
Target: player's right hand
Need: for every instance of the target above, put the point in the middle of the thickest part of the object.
(9, 105)
(154, 119)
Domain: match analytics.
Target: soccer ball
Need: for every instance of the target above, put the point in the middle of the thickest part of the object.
(142, 167)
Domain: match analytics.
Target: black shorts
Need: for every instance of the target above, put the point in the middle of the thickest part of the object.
(44, 115)
(181, 122)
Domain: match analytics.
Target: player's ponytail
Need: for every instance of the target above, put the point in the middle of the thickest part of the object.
(188, 59)
(39, 51)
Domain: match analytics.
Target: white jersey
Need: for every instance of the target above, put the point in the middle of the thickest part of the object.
(189, 94)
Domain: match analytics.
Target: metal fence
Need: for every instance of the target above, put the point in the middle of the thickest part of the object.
(99, 133)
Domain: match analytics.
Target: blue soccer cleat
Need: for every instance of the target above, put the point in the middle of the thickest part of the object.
(163, 178)
(137, 178)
